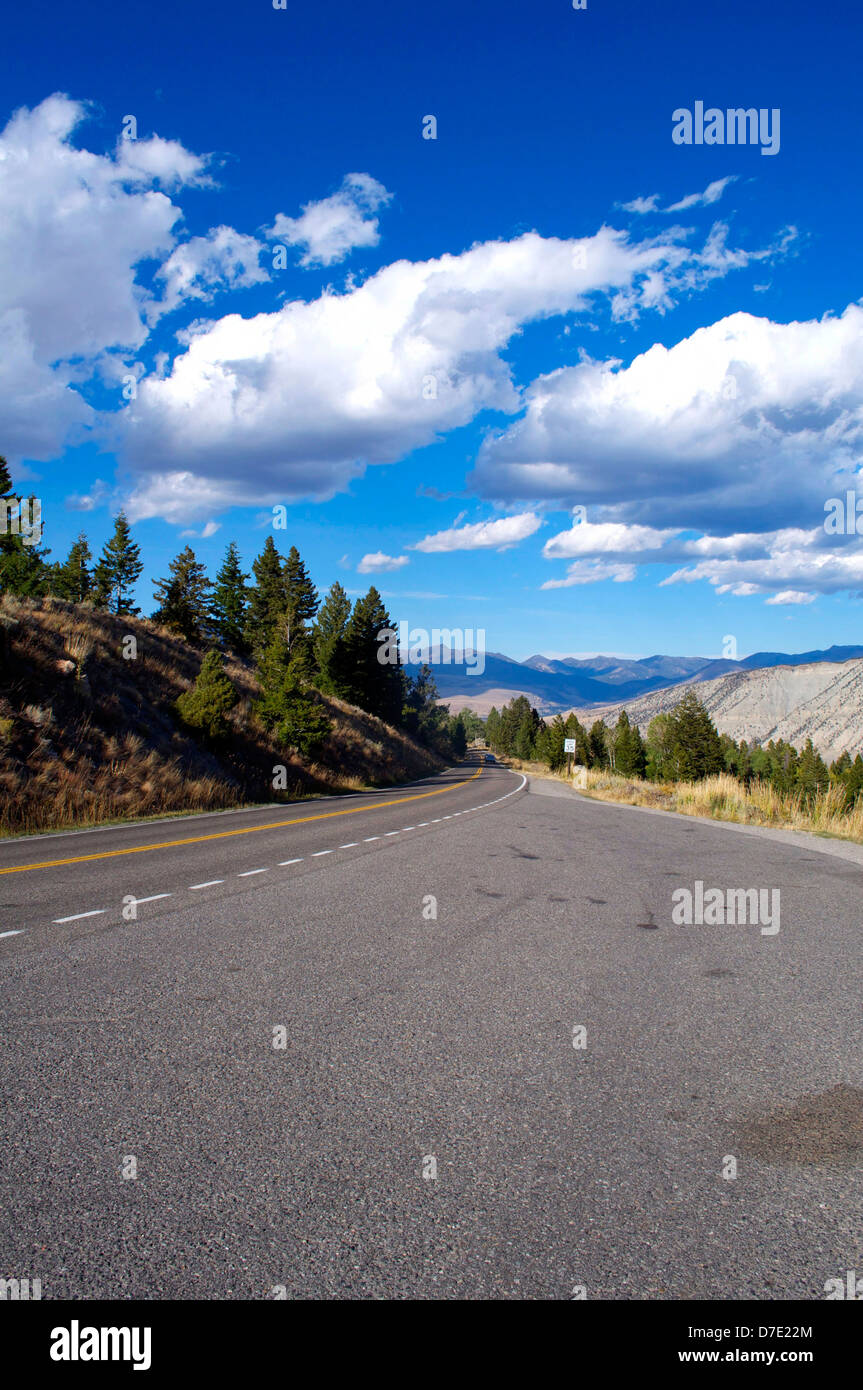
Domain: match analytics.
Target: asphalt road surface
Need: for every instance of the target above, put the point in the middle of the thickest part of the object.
(443, 1041)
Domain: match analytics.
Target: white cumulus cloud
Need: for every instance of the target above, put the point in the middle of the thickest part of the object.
(482, 535)
(378, 563)
(330, 229)
(309, 395)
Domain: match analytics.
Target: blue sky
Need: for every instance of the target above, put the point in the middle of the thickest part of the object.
(551, 305)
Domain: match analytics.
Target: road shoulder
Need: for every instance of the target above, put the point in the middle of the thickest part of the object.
(820, 844)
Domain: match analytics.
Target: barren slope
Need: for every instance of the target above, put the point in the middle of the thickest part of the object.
(822, 701)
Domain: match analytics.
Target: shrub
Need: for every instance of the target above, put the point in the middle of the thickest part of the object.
(206, 706)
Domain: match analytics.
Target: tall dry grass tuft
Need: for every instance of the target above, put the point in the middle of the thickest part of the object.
(724, 798)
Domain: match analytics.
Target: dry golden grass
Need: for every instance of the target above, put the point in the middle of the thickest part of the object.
(100, 743)
(724, 798)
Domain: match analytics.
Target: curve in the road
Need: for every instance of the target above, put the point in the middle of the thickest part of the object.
(226, 834)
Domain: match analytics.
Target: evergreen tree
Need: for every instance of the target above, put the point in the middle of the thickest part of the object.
(184, 605)
(661, 762)
(422, 716)
(553, 749)
(267, 598)
(230, 603)
(492, 728)
(458, 735)
(597, 744)
(301, 605)
(627, 748)
(72, 580)
(376, 685)
(329, 642)
(526, 725)
(697, 749)
(118, 570)
(286, 706)
(23, 570)
(205, 707)
(812, 774)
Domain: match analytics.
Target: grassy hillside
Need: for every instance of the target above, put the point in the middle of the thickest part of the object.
(87, 736)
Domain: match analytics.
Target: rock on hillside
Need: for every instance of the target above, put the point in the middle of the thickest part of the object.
(822, 701)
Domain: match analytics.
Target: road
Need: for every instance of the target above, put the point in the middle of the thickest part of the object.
(337, 1039)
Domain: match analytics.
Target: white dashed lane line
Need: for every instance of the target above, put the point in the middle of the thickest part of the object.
(284, 863)
(76, 917)
(20, 932)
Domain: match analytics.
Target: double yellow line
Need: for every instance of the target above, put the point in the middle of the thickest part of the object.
(226, 834)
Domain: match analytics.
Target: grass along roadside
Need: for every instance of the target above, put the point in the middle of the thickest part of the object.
(722, 798)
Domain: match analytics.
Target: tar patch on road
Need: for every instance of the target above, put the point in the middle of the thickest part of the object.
(823, 1128)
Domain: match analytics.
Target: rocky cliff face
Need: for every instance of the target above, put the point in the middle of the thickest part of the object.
(822, 701)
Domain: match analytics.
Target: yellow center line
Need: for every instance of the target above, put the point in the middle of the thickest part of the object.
(225, 834)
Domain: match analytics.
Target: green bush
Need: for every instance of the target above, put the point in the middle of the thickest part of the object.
(205, 707)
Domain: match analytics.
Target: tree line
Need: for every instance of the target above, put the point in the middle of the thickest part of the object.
(272, 617)
(681, 746)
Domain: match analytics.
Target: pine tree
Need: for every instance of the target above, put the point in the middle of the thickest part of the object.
(697, 750)
(376, 686)
(286, 706)
(597, 744)
(184, 605)
(23, 570)
(267, 598)
(118, 570)
(205, 707)
(553, 750)
(458, 735)
(329, 644)
(230, 603)
(422, 716)
(72, 580)
(661, 762)
(301, 605)
(492, 728)
(627, 748)
(812, 774)
(527, 728)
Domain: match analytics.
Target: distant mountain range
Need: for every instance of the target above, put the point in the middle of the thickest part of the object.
(557, 685)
